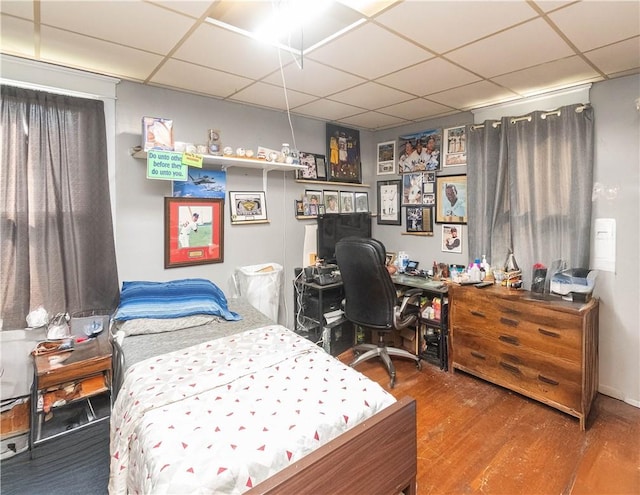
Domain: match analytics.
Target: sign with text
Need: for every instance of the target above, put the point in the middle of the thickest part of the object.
(166, 165)
(192, 160)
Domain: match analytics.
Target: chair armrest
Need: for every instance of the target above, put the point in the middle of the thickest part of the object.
(407, 313)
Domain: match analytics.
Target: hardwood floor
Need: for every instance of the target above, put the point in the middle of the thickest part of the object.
(475, 437)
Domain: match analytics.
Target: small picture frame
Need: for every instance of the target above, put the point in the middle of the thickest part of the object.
(299, 208)
(412, 188)
(390, 258)
(451, 199)
(389, 205)
(315, 166)
(362, 202)
(331, 201)
(419, 219)
(387, 158)
(454, 147)
(247, 207)
(312, 199)
(347, 202)
(451, 238)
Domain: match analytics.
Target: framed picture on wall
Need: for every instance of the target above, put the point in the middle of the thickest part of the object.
(343, 152)
(451, 199)
(454, 147)
(193, 231)
(347, 202)
(315, 166)
(452, 239)
(387, 158)
(419, 151)
(362, 202)
(389, 206)
(412, 189)
(247, 206)
(331, 201)
(419, 219)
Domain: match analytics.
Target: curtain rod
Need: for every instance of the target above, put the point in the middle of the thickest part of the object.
(544, 115)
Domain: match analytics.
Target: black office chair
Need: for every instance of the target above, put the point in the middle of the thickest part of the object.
(371, 300)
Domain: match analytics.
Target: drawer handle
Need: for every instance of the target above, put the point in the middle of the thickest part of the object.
(547, 380)
(478, 355)
(509, 339)
(477, 313)
(548, 333)
(509, 367)
(512, 358)
(508, 322)
(510, 311)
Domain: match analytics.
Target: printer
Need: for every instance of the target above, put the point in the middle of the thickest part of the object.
(574, 284)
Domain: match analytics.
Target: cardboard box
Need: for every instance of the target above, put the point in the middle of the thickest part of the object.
(15, 418)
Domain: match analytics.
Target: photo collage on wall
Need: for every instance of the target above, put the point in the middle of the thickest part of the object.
(426, 192)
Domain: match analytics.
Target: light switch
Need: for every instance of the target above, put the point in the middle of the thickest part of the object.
(604, 252)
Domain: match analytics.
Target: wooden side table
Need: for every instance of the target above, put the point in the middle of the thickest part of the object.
(70, 389)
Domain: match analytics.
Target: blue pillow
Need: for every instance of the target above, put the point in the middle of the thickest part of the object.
(174, 299)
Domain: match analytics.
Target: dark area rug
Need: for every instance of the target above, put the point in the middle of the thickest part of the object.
(77, 463)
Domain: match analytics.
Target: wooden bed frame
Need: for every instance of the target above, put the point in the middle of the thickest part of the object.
(377, 456)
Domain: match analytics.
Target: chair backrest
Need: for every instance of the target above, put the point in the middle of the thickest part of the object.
(370, 295)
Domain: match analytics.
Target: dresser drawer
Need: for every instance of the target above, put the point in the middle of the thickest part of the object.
(552, 333)
(522, 370)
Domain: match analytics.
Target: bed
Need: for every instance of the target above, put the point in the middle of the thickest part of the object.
(248, 406)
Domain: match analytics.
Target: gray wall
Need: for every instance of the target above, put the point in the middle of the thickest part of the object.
(139, 204)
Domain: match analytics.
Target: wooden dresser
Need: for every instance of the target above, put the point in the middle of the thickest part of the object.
(544, 348)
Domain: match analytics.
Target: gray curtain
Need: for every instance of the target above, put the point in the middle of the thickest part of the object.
(530, 180)
(56, 234)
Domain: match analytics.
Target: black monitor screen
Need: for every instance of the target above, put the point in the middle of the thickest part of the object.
(333, 226)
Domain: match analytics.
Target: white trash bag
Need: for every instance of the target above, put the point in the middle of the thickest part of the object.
(260, 285)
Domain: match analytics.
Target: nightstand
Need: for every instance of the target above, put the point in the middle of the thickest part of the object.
(70, 389)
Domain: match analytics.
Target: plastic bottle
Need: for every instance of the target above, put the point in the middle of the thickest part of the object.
(474, 271)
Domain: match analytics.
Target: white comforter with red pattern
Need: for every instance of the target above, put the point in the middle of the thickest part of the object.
(222, 416)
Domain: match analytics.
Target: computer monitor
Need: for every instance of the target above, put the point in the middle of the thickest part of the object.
(335, 226)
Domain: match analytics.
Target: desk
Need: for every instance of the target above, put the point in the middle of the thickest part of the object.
(430, 337)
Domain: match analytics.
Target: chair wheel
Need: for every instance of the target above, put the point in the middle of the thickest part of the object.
(392, 383)
(419, 365)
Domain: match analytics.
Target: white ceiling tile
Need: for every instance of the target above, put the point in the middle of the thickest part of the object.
(16, 36)
(80, 52)
(195, 8)
(371, 96)
(594, 24)
(224, 50)
(429, 77)
(369, 51)
(314, 78)
(199, 79)
(376, 64)
(368, 7)
(547, 77)
(617, 57)
(444, 25)
(327, 110)
(259, 93)
(131, 23)
(373, 120)
(18, 8)
(474, 95)
(524, 46)
(415, 109)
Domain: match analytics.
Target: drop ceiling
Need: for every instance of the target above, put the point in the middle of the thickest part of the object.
(365, 64)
